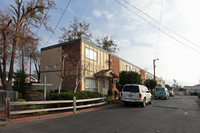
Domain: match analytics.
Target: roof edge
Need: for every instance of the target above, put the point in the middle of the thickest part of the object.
(60, 44)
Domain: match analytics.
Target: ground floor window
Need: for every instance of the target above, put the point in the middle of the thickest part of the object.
(91, 84)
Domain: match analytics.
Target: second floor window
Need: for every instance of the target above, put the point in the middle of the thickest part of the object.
(91, 54)
(128, 68)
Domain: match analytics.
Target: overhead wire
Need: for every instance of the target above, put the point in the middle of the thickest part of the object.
(161, 24)
(158, 38)
(59, 20)
(158, 27)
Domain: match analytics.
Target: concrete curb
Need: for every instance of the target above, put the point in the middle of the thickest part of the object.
(58, 114)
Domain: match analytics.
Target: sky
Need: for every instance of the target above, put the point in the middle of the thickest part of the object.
(175, 41)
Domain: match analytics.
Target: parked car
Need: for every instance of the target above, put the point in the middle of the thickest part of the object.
(171, 93)
(161, 92)
(194, 93)
(134, 93)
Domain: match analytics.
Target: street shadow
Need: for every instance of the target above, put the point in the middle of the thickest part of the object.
(128, 106)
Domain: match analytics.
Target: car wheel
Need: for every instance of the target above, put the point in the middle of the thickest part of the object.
(144, 102)
(150, 102)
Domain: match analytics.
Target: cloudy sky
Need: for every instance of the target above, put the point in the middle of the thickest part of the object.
(176, 44)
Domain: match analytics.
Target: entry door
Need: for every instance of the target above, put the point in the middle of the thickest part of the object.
(105, 86)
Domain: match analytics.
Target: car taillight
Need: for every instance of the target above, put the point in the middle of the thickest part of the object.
(140, 95)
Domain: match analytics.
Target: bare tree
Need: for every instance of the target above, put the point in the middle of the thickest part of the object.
(107, 43)
(29, 13)
(36, 59)
(63, 74)
(4, 45)
(28, 45)
(80, 73)
(76, 30)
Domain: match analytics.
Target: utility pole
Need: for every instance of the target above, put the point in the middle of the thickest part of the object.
(174, 84)
(154, 67)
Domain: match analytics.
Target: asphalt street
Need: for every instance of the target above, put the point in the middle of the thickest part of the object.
(179, 114)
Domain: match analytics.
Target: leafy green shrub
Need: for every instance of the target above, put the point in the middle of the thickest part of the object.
(79, 95)
(150, 84)
(33, 107)
(21, 100)
(128, 77)
(67, 90)
(19, 82)
(110, 100)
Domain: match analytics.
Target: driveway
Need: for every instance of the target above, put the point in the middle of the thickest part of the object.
(180, 114)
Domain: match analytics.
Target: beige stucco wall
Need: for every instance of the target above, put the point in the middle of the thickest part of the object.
(51, 57)
(123, 64)
(53, 78)
(90, 67)
(148, 75)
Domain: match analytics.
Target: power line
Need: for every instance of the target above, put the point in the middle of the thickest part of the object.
(41, 39)
(161, 24)
(42, 21)
(158, 28)
(59, 21)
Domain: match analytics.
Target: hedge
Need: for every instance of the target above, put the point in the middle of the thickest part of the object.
(79, 95)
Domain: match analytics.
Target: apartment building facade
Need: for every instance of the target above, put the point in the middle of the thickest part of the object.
(85, 66)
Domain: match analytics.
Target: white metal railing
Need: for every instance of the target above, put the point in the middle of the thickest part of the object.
(74, 106)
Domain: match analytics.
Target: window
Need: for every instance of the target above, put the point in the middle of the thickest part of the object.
(91, 54)
(134, 69)
(91, 84)
(131, 89)
(128, 68)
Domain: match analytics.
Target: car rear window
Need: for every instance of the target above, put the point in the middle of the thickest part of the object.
(160, 89)
(157, 89)
(131, 89)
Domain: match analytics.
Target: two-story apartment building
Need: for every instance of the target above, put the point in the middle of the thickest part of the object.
(85, 65)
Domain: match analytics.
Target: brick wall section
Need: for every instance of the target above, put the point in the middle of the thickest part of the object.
(142, 73)
(114, 65)
(73, 51)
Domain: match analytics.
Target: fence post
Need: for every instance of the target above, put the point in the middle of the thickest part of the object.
(74, 104)
(7, 109)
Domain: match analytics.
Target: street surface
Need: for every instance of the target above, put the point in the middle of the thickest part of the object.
(179, 114)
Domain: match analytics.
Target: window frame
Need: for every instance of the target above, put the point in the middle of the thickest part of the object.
(91, 54)
(91, 84)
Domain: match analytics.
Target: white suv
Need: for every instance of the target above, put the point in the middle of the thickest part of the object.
(134, 93)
